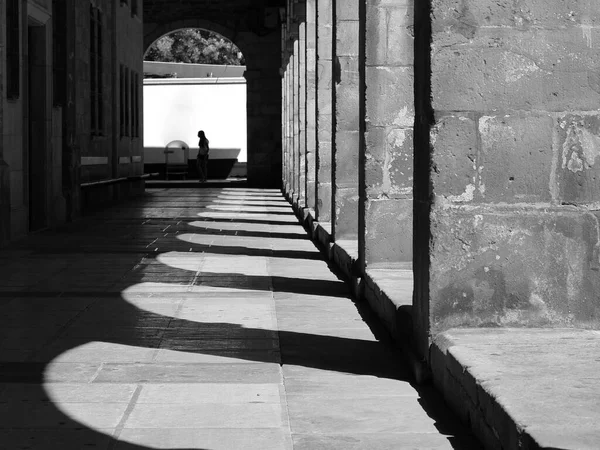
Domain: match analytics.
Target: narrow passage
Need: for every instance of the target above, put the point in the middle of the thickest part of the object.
(198, 319)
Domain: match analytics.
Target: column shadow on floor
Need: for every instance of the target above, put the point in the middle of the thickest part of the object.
(114, 320)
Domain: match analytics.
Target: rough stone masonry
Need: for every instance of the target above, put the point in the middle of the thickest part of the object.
(514, 173)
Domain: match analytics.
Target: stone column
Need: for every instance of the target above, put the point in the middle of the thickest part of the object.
(507, 165)
(346, 120)
(264, 109)
(284, 119)
(4, 168)
(290, 121)
(385, 209)
(295, 121)
(324, 94)
(311, 106)
(301, 106)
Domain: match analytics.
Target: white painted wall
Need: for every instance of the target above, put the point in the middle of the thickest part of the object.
(178, 108)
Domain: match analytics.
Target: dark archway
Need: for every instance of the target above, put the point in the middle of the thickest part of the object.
(193, 80)
(259, 41)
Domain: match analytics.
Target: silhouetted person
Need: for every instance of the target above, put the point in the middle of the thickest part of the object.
(202, 160)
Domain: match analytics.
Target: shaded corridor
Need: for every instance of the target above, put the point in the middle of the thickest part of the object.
(198, 318)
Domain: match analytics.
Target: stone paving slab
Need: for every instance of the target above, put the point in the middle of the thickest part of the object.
(371, 441)
(197, 319)
(531, 388)
(213, 439)
(188, 373)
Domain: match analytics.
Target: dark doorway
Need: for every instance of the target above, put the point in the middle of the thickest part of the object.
(37, 124)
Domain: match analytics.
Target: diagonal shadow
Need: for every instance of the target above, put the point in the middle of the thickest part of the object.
(111, 318)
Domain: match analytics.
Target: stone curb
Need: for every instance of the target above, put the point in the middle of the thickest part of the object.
(469, 399)
(522, 388)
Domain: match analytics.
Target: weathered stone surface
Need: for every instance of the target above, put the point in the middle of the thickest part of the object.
(516, 159)
(347, 37)
(455, 172)
(514, 97)
(552, 13)
(514, 266)
(390, 96)
(323, 206)
(388, 165)
(346, 214)
(516, 70)
(388, 233)
(577, 147)
(346, 173)
(346, 12)
(389, 36)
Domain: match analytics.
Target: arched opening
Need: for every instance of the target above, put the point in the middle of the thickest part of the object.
(194, 80)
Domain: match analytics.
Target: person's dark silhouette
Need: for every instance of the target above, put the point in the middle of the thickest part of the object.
(202, 160)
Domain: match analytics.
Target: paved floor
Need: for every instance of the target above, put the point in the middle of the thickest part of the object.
(197, 318)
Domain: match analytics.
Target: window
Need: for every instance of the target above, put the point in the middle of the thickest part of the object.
(136, 106)
(122, 105)
(13, 51)
(127, 104)
(96, 72)
(59, 52)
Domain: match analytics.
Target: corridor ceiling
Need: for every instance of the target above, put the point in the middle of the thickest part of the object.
(246, 14)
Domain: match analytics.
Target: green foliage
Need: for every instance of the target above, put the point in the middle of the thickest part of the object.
(195, 46)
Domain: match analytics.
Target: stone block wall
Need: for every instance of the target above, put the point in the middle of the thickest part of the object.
(346, 123)
(512, 176)
(465, 138)
(387, 157)
(324, 74)
(311, 105)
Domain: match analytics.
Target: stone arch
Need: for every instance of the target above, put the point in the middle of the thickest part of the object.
(152, 32)
(263, 60)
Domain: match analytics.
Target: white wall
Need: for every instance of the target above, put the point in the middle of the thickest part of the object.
(185, 70)
(177, 109)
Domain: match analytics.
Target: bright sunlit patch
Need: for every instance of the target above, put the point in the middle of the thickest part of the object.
(233, 215)
(249, 208)
(182, 260)
(226, 241)
(262, 202)
(234, 226)
(150, 287)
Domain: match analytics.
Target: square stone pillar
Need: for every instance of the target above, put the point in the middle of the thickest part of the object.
(387, 159)
(295, 121)
(284, 126)
(4, 174)
(301, 49)
(506, 169)
(289, 77)
(346, 120)
(311, 106)
(324, 97)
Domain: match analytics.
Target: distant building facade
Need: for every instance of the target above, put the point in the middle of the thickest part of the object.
(71, 107)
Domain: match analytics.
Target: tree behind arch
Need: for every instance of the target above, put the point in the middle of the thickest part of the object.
(195, 46)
